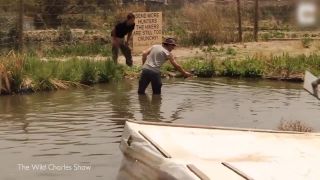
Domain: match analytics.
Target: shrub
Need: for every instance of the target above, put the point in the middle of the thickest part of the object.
(200, 67)
(108, 70)
(65, 34)
(231, 68)
(205, 69)
(251, 67)
(278, 34)
(89, 72)
(294, 126)
(231, 51)
(265, 36)
(306, 42)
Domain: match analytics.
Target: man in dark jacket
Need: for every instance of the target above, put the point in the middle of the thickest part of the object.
(118, 41)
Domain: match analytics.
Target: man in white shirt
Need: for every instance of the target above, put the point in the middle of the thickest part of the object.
(152, 60)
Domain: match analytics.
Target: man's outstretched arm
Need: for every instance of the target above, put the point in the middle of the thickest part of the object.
(178, 67)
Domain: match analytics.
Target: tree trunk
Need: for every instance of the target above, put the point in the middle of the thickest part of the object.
(239, 20)
(20, 26)
(256, 20)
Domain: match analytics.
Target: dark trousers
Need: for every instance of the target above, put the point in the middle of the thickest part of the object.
(126, 51)
(148, 76)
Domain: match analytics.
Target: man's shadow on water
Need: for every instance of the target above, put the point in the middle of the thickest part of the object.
(150, 108)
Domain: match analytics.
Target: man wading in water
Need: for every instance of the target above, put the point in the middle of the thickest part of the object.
(152, 60)
(118, 41)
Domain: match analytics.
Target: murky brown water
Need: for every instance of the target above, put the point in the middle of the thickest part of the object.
(61, 129)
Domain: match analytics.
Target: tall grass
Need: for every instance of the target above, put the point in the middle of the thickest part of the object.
(250, 67)
(306, 42)
(89, 73)
(42, 73)
(18, 73)
(70, 70)
(203, 24)
(79, 50)
(11, 73)
(201, 68)
(287, 66)
(284, 67)
(21, 73)
(107, 71)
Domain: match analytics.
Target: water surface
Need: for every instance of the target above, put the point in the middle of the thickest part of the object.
(84, 126)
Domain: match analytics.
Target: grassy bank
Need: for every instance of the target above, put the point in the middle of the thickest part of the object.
(29, 73)
(283, 67)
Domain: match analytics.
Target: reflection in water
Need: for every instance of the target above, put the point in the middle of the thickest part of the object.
(120, 102)
(9, 107)
(186, 104)
(84, 126)
(150, 108)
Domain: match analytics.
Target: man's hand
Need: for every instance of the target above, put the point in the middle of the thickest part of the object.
(127, 44)
(187, 74)
(128, 38)
(115, 41)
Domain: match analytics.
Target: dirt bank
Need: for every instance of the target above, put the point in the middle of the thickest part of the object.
(241, 50)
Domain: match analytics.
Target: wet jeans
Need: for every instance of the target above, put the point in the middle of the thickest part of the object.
(148, 76)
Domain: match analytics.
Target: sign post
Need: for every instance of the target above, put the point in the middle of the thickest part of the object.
(148, 30)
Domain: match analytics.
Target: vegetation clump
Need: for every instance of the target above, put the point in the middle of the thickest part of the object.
(28, 73)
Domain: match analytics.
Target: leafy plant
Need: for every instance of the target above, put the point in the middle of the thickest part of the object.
(231, 51)
(306, 42)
